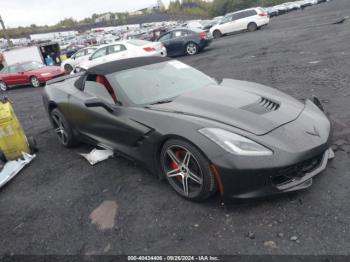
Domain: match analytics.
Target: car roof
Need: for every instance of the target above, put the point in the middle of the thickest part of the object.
(252, 8)
(125, 64)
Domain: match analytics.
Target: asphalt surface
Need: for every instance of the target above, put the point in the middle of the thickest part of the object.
(62, 205)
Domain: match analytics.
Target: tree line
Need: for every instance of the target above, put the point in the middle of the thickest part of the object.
(198, 8)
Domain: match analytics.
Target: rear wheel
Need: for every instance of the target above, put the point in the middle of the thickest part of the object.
(187, 170)
(191, 48)
(3, 86)
(217, 34)
(252, 27)
(63, 129)
(68, 68)
(34, 81)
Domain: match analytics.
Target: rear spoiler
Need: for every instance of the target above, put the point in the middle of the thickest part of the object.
(64, 78)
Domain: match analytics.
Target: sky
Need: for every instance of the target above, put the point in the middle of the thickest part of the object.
(40, 12)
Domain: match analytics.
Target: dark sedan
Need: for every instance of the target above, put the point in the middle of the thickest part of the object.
(183, 41)
(239, 138)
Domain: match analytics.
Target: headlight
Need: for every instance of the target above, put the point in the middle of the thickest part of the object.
(235, 144)
(45, 74)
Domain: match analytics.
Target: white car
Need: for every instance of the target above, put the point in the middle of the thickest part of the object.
(250, 19)
(76, 59)
(122, 50)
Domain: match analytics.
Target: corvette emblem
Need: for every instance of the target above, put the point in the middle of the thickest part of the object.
(314, 132)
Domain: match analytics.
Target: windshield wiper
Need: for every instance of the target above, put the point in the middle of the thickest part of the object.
(162, 102)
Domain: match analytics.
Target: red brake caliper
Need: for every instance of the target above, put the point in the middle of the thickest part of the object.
(174, 164)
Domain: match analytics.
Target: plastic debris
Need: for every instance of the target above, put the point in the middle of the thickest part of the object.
(97, 155)
(12, 168)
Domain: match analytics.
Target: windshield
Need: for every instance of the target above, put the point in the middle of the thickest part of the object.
(31, 66)
(158, 82)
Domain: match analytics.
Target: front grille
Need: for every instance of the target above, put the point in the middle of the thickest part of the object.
(297, 171)
(262, 106)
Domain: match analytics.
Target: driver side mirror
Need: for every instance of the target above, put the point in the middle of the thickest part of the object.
(90, 58)
(97, 102)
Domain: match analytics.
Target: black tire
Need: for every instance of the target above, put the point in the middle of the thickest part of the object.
(34, 81)
(196, 173)
(3, 86)
(68, 68)
(2, 157)
(63, 129)
(252, 27)
(32, 145)
(217, 34)
(191, 48)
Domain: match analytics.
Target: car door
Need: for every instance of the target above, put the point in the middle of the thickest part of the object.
(167, 42)
(16, 76)
(78, 57)
(107, 126)
(246, 17)
(98, 57)
(116, 52)
(226, 25)
(178, 41)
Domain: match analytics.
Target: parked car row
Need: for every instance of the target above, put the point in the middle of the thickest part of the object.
(291, 6)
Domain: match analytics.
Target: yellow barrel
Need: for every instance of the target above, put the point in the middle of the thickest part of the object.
(13, 140)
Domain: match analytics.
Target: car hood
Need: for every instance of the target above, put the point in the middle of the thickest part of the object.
(252, 107)
(47, 69)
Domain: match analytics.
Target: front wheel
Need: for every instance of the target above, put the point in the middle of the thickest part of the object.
(68, 69)
(187, 170)
(3, 86)
(34, 81)
(217, 34)
(191, 48)
(63, 129)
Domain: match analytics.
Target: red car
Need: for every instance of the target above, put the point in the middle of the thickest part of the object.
(32, 73)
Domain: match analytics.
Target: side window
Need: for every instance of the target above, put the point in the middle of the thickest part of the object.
(99, 53)
(115, 49)
(98, 90)
(164, 37)
(5, 70)
(13, 69)
(99, 86)
(226, 19)
(178, 33)
(90, 51)
(80, 53)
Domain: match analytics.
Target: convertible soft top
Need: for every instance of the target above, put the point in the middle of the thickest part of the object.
(125, 64)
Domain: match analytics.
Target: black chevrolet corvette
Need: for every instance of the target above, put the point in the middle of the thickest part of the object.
(239, 138)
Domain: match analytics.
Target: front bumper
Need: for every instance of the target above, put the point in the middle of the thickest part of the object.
(245, 184)
(43, 79)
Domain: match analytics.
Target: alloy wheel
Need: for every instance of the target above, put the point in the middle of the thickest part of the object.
(3, 86)
(60, 129)
(35, 82)
(183, 171)
(191, 49)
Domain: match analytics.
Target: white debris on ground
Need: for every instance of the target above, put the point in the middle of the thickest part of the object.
(97, 155)
(12, 168)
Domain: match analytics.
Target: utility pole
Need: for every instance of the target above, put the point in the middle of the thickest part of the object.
(5, 32)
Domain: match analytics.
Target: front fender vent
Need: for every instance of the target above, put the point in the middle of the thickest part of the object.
(262, 106)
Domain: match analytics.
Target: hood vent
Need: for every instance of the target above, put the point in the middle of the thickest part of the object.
(262, 106)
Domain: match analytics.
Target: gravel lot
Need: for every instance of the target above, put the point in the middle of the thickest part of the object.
(62, 205)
